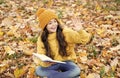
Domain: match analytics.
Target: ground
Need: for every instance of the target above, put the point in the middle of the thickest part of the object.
(19, 31)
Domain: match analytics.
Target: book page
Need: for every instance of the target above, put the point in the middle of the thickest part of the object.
(46, 58)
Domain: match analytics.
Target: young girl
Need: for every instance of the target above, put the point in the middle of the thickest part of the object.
(58, 43)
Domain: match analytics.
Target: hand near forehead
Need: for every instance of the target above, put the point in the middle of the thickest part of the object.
(77, 24)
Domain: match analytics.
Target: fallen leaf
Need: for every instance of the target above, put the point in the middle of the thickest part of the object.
(19, 72)
(83, 57)
(12, 31)
(114, 63)
(100, 32)
(9, 50)
(1, 32)
(7, 21)
(107, 68)
(31, 72)
(93, 75)
(3, 66)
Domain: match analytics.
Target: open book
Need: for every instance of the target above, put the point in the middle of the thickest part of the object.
(46, 58)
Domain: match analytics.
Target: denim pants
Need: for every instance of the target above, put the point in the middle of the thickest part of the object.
(59, 70)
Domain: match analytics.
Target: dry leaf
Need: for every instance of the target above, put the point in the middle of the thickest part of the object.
(3, 66)
(93, 75)
(90, 76)
(12, 31)
(107, 68)
(114, 63)
(83, 57)
(31, 72)
(50, 3)
(100, 32)
(91, 62)
(19, 72)
(1, 33)
(7, 21)
(9, 50)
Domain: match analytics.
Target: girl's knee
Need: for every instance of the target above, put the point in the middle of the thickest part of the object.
(38, 70)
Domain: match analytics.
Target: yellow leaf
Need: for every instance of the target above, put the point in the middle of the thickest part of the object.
(3, 67)
(27, 40)
(28, 51)
(31, 72)
(50, 3)
(104, 53)
(98, 8)
(12, 31)
(101, 32)
(82, 75)
(1, 33)
(18, 72)
(8, 50)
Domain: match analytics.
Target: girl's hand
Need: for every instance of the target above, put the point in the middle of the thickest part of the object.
(77, 24)
(51, 63)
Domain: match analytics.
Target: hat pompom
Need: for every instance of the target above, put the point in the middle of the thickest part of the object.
(40, 11)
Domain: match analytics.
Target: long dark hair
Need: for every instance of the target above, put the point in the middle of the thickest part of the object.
(61, 41)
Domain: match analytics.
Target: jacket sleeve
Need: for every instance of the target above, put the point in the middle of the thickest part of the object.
(40, 50)
(72, 36)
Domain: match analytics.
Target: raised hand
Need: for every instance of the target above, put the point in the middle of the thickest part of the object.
(77, 24)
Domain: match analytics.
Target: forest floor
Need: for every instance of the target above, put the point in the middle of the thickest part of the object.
(19, 31)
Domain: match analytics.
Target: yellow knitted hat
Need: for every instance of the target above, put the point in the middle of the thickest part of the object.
(44, 16)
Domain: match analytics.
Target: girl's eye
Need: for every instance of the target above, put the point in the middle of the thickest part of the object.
(55, 21)
(50, 23)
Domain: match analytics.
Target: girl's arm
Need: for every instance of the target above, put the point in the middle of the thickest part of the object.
(72, 36)
(77, 34)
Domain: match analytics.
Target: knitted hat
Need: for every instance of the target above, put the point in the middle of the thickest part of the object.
(44, 16)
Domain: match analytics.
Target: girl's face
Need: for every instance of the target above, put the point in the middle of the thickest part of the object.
(52, 26)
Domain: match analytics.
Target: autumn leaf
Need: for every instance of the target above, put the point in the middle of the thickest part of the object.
(100, 32)
(19, 72)
(50, 3)
(114, 63)
(12, 31)
(31, 72)
(98, 7)
(82, 57)
(7, 21)
(93, 75)
(3, 66)
(1, 33)
(19, 30)
(9, 50)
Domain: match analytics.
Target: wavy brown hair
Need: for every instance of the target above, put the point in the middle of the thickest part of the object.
(61, 41)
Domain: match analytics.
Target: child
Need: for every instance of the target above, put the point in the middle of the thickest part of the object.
(58, 43)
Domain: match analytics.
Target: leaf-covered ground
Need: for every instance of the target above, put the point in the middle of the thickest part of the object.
(19, 31)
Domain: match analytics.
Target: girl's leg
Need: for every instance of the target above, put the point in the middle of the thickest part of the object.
(46, 71)
(69, 70)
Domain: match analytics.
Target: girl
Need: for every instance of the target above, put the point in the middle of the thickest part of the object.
(58, 43)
